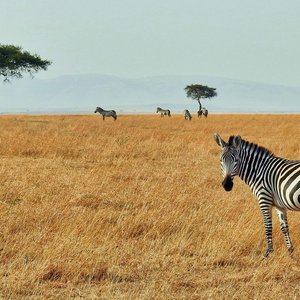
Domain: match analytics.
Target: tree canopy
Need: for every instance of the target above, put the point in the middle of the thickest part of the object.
(14, 61)
(198, 91)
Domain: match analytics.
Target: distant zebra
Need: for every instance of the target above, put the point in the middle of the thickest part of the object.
(163, 112)
(187, 115)
(273, 180)
(106, 113)
(203, 111)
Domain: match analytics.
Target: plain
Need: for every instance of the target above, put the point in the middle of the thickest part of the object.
(134, 209)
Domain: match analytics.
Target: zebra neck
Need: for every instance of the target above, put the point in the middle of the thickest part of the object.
(254, 158)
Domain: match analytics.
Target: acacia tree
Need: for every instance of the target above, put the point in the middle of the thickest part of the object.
(14, 61)
(198, 91)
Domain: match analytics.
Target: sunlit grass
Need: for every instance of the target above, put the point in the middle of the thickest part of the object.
(134, 209)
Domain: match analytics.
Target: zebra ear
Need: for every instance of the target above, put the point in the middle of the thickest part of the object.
(237, 141)
(219, 140)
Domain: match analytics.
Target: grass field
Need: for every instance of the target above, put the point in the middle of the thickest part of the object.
(134, 209)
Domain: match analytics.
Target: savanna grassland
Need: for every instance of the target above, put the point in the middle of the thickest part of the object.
(134, 209)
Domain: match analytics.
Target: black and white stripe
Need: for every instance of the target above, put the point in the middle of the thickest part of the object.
(187, 115)
(203, 111)
(273, 180)
(106, 113)
(163, 112)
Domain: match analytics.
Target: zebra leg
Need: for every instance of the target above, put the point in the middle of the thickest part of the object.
(266, 210)
(282, 216)
(103, 117)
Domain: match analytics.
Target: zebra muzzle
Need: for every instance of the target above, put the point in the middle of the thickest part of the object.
(227, 183)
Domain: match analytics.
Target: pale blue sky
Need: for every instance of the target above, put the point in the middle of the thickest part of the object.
(255, 40)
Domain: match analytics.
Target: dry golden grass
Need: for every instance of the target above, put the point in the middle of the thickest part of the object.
(134, 209)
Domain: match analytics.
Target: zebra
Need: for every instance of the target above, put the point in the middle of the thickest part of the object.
(273, 180)
(203, 111)
(106, 113)
(163, 112)
(187, 115)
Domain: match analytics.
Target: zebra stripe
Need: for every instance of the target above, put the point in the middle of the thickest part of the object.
(163, 112)
(106, 113)
(187, 115)
(273, 180)
(203, 111)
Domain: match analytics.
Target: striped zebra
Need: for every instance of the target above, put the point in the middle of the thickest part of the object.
(273, 180)
(203, 111)
(163, 112)
(106, 113)
(187, 115)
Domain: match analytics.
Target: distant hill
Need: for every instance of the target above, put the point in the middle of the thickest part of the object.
(82, 93)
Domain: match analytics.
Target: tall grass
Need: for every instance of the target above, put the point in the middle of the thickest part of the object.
(134, 209)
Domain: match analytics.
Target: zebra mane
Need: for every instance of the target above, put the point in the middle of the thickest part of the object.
(230, 140)
(247, 144)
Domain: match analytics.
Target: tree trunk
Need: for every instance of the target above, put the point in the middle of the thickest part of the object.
(200, 105)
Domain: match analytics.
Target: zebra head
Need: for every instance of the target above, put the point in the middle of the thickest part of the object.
(98, 109)
(230, 159)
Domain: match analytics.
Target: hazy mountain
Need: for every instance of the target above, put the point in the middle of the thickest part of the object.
(73, 93)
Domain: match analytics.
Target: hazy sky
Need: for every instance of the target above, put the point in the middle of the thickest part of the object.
(256, 40)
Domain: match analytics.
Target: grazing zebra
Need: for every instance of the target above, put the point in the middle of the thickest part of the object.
(273, 180)
(106, 113)
(203, 111)
(163, 112)
(187, 115)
